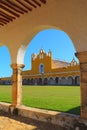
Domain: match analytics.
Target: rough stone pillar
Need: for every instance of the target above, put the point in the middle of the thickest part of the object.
(17, 84)
(82, 56)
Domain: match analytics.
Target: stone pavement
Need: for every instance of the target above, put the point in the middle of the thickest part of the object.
(11, 122)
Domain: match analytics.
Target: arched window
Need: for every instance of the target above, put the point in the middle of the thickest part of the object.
(41, 68)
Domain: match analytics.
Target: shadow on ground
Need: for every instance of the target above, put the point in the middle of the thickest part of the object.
(27, 121)
(75, 110)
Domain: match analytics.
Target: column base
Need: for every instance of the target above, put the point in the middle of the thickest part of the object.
(13, 110)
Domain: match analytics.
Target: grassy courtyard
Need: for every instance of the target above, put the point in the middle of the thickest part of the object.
(59, 98)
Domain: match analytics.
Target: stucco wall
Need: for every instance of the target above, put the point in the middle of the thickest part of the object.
(69, 16)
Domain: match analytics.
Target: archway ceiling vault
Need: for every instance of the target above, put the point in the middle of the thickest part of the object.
(13, 9)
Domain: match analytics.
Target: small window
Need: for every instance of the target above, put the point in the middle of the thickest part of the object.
(41, 68)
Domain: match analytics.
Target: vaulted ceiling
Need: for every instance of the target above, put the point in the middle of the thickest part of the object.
(13, 9)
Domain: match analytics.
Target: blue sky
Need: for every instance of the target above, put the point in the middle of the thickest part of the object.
(55, 40)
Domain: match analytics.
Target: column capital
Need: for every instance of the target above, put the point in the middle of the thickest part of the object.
(15, 66)
(82, 56)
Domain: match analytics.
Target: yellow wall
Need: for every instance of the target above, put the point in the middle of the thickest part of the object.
(46, 60)
(48, 70)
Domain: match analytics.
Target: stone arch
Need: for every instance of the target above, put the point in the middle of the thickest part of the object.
(51, 19)
(22, 48)
(40, 81)
(63, 81)
(32, 34)
(32, 81)
(20, 60)
(70, 80)
(76, 28)
(24, 81)
(45, 81)
(51, 81)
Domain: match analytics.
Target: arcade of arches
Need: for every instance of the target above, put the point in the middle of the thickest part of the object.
(21, 21)
(49, 81)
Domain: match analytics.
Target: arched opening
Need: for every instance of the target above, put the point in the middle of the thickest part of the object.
(36, 73)
(70, 80)
(74, 27)
(45, 81)
(63, 81)
(51, 81)
(40, 81)
(34, 35)
(32, 81)
(24, 82)
(5, 75)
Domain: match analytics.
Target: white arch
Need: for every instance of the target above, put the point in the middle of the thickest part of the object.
(22, 48)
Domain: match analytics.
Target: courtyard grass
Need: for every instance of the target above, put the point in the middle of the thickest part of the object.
(59, 98)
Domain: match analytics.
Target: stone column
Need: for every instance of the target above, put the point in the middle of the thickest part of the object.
(17, 84)
(82, 56)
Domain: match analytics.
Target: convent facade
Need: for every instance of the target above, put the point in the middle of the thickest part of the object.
(46, 71)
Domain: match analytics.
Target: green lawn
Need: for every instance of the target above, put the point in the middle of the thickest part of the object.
(59, 98)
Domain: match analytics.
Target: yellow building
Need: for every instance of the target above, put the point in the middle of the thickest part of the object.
(47, 71)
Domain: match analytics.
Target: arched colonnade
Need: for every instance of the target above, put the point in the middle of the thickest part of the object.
(68, 16)
(52, 81)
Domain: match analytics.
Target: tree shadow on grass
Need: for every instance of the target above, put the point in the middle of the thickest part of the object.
(75, 110)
